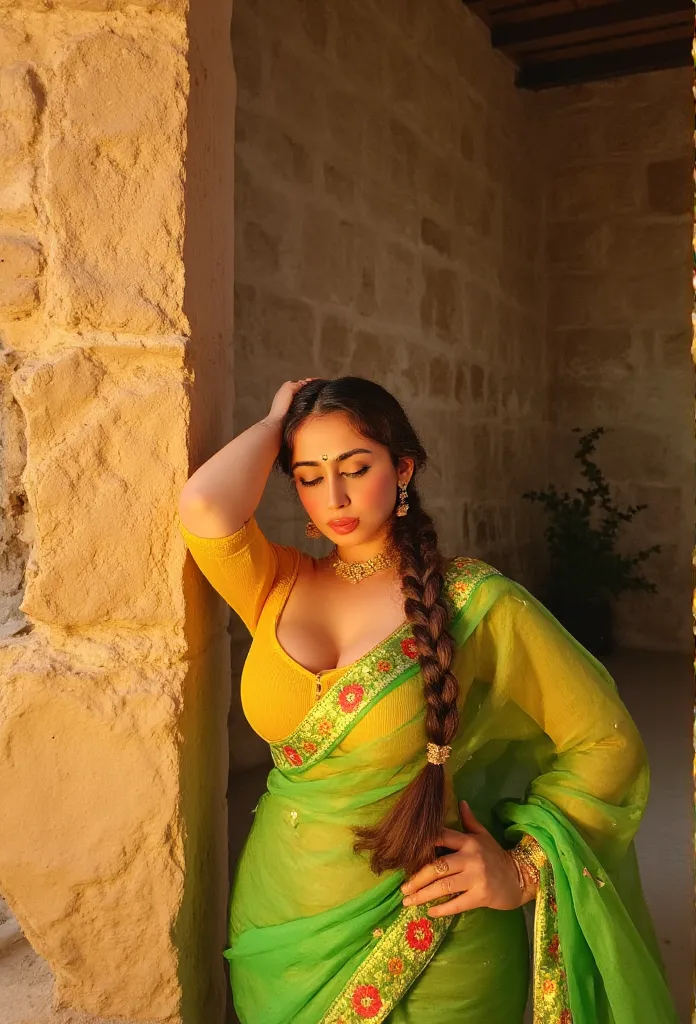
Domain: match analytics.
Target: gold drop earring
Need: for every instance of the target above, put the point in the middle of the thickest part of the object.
(402, 507)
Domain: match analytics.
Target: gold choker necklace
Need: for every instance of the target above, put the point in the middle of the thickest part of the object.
(355, 572)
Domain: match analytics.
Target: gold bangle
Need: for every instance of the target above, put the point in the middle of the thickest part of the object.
(529, 853)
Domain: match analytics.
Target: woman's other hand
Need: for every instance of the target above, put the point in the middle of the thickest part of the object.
(480, 873)
(283, 398)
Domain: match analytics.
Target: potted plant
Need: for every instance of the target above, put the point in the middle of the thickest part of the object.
(586, 571)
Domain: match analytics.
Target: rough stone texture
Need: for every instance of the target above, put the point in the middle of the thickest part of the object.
(619, 318)
(20, 268)
(122, 271)
(385, 180)
(115, 299)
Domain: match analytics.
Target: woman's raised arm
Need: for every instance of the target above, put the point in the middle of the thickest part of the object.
(225, 491)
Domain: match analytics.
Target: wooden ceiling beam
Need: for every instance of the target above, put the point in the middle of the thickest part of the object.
(618, 15)
(600, 66)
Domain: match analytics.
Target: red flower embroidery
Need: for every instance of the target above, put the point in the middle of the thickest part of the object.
(419, 934)
(396, 965)
(324, 727)
(384, 666)
(367, 1001)
(566, 1017)
(549, 986)
(553, 947)
(309, 748)
(350, 697)
(408, 646)
(292, 756)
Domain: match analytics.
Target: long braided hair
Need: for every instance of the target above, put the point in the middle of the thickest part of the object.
(406, 836)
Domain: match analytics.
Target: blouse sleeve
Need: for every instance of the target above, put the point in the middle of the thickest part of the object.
(596, 769)
(241, 567)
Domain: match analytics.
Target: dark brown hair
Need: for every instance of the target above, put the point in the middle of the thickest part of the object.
(406, 836)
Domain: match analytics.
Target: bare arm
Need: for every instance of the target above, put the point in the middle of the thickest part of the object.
(225, 491)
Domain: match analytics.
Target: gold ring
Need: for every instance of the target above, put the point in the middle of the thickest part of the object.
(441, 866)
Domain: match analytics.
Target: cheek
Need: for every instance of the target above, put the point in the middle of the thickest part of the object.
(309, 498)
(378, 491)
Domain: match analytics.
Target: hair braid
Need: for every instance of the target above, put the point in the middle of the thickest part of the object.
(406, 837)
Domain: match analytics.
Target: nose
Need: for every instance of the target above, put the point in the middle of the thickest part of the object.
(338, 497)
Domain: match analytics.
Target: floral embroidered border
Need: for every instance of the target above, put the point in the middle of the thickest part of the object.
(391, 966)
(330, 718)
(551, 999)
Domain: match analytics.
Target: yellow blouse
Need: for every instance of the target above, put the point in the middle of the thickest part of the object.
(255, 577)
(518, 662)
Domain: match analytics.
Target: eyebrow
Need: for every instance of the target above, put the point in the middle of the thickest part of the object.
(339, 458)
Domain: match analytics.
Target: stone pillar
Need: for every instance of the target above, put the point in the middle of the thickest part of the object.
(116, 225)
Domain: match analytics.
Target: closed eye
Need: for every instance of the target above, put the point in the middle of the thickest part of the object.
(318, 480)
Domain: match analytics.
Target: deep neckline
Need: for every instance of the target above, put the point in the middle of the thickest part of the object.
(291, 580)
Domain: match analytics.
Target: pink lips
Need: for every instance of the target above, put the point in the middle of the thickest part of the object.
(343, 525)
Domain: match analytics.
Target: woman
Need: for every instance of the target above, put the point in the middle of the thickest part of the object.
(444, 751)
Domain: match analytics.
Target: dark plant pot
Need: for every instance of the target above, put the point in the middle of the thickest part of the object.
(590, 622)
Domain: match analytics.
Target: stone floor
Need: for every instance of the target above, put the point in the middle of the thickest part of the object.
(658, 690)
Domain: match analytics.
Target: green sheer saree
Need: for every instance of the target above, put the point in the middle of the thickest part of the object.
(544, 747)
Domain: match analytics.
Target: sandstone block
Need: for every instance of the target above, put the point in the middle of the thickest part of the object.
(268, 148)
(345, 122)
(594, 354)
(335, 343)
(297, 92)
(337, 261)
(441, 377)
(360, 51)
(21, 264)
(413, 371)
(434, 235)
(397, 291)
(461, 384)
(88, 413)
(403, 156)
(339, 185)
(115, 184)
(275, 329)
(21, 106)
(478, 379)
(94, 872)
(632, 244)
(374, 357)
(441, 302)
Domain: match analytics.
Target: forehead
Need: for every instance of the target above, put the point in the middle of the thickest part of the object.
(330, 435)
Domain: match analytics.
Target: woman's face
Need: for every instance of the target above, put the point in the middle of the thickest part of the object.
(352, 492)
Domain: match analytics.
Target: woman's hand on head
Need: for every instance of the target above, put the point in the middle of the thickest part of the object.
(284, 396)
(480, 873)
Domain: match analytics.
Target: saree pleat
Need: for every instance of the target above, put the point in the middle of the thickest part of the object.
(545, 746)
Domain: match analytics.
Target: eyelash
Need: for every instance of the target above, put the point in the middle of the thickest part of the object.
(313, 483)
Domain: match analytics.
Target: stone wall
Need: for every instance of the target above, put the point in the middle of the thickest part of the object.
(389, 210)
(115, 294)
(619, 215)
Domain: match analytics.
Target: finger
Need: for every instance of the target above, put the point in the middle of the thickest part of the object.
(469, 820)
(436, 890)
(469, 900)
(429, 873)
(451, 839)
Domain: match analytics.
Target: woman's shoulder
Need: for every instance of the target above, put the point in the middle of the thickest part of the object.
(464, 574)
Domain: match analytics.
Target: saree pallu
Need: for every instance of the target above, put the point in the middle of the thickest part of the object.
(544, 747)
